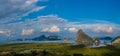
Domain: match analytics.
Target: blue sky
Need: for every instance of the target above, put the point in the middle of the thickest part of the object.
(31, 18)
(76, 10)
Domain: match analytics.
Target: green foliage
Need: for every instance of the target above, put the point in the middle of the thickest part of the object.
(57, 49)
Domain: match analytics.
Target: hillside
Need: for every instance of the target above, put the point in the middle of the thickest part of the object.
(56, 49)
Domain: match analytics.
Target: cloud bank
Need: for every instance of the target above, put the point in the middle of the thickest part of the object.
(56, 25)
(53, 28)
(15, 9)
(27, 32)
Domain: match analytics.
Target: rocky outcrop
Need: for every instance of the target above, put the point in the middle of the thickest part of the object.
(116, 40)
(82, 38)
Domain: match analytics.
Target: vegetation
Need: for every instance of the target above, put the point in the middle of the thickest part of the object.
(82, 38)
(56, 49)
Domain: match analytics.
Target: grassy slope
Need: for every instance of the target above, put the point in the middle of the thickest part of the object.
(61, 47)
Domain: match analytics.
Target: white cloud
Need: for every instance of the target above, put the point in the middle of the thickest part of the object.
(54, 28)
(15, 9)
(65, 28)
(29, 2)
(5, 32)
(27, 32)
(73, 29)
(45, 30)
(38, 8)
(104, 29)
(53, 23)
(1, 31)
(98, 27)
(51, 20)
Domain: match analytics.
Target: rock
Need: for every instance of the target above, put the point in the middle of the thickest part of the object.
(116, 40)
(82, 38)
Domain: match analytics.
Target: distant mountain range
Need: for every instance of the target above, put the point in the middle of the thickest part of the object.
(43, 38)
(106, 38)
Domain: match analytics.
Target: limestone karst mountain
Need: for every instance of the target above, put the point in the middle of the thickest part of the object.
(82, 38)
(116, 40)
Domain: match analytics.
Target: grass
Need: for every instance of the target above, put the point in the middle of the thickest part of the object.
(64, 48)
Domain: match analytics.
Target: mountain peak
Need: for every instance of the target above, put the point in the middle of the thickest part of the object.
(82, 38)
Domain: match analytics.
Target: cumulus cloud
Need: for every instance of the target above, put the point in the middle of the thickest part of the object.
(27, 32)
(5, 32)
(73, 29)
(98, 27)
(54, 28)
(1, 31)
(14, 9)
(53, 24)
(104, 29)
(45, 30)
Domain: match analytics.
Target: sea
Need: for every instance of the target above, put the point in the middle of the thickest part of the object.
(102, 42)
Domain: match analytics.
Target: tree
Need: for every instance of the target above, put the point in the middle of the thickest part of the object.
(97, 42)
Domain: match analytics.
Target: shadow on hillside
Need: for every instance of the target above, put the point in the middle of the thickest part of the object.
(114, 51)
(35, 53)
(76, 46)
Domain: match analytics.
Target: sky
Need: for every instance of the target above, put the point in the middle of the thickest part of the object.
(32, 18)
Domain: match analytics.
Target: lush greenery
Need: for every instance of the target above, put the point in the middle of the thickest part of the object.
(56, 49)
